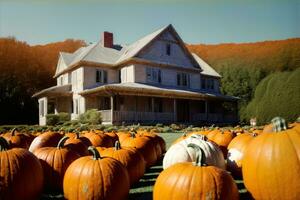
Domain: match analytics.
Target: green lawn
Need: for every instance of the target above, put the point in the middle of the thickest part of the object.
(143, 189)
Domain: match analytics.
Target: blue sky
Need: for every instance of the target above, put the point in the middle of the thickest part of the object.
(196, 21)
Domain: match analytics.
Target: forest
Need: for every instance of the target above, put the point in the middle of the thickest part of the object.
(247, 70)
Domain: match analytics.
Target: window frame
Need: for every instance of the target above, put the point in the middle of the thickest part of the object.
(101, 76)
(168, 49)
(153, 75)
(183, 79)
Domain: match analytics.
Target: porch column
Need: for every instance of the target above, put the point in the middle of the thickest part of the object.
(175, 110)
(206, 110)
(112, 108)
(56, 106)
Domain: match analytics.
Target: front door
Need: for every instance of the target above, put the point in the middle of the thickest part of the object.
(183, 110)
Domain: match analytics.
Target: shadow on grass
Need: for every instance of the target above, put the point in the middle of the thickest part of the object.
(140, 196)
(143, 183)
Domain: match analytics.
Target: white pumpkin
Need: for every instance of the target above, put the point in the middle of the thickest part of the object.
(180, 152)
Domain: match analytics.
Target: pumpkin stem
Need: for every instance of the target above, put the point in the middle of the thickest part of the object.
(117, 145)
(279, 124)
(254, 134)
(77, 135)
(201, 137)
(95, 152)
(4, 145)
(132, 134)
(200, 156)
(13, 131)
(62, 142)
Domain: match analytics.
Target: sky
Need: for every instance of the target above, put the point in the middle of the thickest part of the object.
(196, 21)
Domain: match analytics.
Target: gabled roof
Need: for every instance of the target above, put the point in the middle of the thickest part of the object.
(137, 46)
(113, 57)
(207, 70)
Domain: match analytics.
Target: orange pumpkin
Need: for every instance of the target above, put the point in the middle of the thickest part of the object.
(78, 144)
(55, 161)
(47, 139)
(21, 173)
(113, 136)
(144, 145)
(191, 181)
(129, 157)
(271, 165)
(17, 139)
(99, 139)
(222, 139)
(96, 177)
(236, 150)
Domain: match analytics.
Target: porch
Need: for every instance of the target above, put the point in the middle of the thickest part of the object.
(150, 110)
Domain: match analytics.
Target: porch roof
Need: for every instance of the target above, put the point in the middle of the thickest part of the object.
(138, 89)
(62, 90)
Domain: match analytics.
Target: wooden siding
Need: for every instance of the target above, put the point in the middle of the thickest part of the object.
(90, 76)
(157, 51)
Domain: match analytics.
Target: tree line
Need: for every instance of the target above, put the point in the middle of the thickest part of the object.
(24, 70)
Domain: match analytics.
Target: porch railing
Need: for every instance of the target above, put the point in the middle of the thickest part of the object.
(132, 116)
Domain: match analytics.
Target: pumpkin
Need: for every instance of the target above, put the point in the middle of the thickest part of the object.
(129, 157)
(17, 139)
(55, 161)
(157, 139)
(123, 135)
(96, 177)
(47, 139)
(78, 144)
(99, 139)
(21, 174)
(221, 138)
(271, 165)
(113, 136)
(155, 142)
(195, 180)
(236, 150)
(180, 152)
(144, 145)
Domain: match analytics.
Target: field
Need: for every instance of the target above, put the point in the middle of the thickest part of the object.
(143, 189)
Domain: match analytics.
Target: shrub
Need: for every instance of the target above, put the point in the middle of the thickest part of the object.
(277, 95)
(54, 119)
(91, 116)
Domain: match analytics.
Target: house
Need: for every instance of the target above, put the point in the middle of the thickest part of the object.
(154, 80)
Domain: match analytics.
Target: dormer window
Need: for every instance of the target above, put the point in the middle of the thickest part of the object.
(101, 76)
(168, 49)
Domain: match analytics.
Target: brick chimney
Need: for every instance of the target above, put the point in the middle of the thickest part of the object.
(107, 39)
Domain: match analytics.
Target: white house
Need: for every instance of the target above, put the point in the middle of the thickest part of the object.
(155, 79)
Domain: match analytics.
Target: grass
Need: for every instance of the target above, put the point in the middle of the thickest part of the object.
(143, 189)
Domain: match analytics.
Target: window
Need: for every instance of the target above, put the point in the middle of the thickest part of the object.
(183, 79)
(42, 113)
(207, 84)
(104, 103)
(210, 84)
(203, 83)
(153, 75)
(168, 49)
(101, 76)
